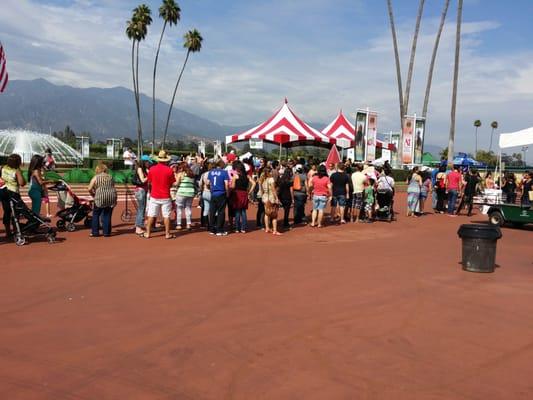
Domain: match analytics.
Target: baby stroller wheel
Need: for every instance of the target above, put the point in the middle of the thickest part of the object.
(20, 240)
(71, 227)
(88, 222)
(60, 224)
(51, 237)
(126, 215)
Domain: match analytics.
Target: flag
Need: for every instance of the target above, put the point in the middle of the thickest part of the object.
(3, 69)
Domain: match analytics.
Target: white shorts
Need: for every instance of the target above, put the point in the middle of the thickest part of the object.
(154, 205)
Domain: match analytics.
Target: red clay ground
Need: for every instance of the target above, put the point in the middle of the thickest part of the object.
(347, 312)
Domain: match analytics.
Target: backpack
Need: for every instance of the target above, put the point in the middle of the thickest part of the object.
(297, 184)
(440, 183)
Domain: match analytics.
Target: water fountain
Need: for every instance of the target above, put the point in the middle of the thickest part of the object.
(27, 143)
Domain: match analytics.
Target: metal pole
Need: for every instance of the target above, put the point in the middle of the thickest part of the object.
(279, 151)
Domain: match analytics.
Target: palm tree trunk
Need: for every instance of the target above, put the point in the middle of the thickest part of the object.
(135, 90)
(174, 97)
(139, 126)
(455, 79)
(153, 85)
(397, 59)
(433, 58)
(475, 154)
(412, 60)
(491, 135)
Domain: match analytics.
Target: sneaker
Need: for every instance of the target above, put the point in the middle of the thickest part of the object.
(212, 233)
(243, 231)
(222, 234)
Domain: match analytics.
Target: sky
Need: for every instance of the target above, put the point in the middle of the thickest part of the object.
(322, 55)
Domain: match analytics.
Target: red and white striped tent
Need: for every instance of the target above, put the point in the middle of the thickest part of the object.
(342, 133)
(285, 129)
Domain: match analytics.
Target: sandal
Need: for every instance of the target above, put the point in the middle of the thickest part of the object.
(172, 236)
(143, 236)
(277, 233)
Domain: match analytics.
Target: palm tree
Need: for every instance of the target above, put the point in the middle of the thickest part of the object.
(193, 44)
(477, 124)
(494, 126)
(455, 80)
(433, 58)
(170, 12)
(397, 59)
(136, 30)
(412, 59)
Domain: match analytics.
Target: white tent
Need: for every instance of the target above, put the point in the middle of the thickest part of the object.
(516, 139)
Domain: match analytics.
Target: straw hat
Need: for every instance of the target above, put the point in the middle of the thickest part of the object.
(163, 156)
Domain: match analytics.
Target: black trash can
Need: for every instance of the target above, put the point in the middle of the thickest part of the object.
(479, 246)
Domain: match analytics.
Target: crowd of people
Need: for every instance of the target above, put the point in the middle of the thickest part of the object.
(226, 187)
(455, 189)
(166, 186)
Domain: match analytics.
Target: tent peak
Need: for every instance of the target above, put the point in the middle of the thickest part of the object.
(286, 101)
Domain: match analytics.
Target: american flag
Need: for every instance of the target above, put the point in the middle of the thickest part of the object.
(3, 69)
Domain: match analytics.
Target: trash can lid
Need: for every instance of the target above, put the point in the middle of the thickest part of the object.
(478, 231)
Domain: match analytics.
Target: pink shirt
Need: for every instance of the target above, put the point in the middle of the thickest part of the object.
(320, 185)
(454, 178)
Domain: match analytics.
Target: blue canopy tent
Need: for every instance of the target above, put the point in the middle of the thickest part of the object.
(463, 160)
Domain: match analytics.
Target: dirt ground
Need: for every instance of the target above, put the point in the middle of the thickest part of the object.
(366, 311)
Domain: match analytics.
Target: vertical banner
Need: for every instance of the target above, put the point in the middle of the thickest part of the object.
(217, 147)
(110, 149)
(350, 154)
(371, 136)
(360, 133)
(419, 140)
(201, 148)
(407, 140)
(395, 139)
(386, 155)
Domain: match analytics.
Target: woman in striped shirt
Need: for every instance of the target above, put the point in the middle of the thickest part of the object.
(102, 187)
(185, 194)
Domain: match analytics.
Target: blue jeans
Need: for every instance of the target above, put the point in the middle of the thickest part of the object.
(140, 196)
(206, 199)
(299, 208)
(105, 214)
(452, 199)
(240, 220)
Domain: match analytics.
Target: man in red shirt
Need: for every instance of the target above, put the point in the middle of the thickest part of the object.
(161, 178)
(453, 186)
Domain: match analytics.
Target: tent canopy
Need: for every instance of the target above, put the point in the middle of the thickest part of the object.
(465, 161)
(283, 128)
(342, 133)
(516, 139)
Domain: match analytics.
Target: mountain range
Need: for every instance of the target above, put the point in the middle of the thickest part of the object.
(110, 112)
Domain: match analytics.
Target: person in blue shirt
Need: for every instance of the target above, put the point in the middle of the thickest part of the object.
(219, 184)
(434, 192)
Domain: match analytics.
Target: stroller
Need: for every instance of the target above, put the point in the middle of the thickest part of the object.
(76, 208)
(27, 223)
(385, 201)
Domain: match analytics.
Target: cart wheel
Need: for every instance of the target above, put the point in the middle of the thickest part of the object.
(496, 218)
(20, 240)
(126, 215)
(71, 227)
(88, 222)
(60, 224)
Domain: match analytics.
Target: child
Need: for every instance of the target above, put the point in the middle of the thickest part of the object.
(369, 199)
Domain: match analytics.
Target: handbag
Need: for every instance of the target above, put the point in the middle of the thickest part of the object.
(530, 193)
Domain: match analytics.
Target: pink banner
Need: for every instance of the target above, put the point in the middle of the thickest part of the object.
(407, 140)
